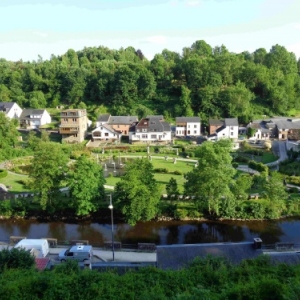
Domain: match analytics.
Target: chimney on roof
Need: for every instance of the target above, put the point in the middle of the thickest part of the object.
(257, 243)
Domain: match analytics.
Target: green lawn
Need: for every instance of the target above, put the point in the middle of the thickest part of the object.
(163, 179)
(14, 180)
(268, 157)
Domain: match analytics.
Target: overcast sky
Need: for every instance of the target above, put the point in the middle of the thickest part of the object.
(43, 27)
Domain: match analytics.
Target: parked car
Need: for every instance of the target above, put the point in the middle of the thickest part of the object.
(80, 253)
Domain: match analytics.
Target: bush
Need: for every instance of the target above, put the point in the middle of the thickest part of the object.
(235, 164)
(161, 170)
(177, 173)
(3, 173)
(180, 213)
(15, 259)
(241, 159)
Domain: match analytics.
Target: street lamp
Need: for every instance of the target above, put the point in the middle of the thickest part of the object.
(112, 225)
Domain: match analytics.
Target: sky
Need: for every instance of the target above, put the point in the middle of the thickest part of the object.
(30, 28)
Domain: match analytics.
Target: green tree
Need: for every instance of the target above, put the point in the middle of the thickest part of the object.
(210, 181)
(275, 189)
(8, 132)
(15, 258)
(86, 182)
(172, 188)
(48, 170)
(137, 193)
(241, 186)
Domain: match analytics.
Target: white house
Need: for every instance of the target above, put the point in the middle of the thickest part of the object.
(34, 118)
(230, 129)
(11, 109)
(105, 132)
(151, 129)
(188, 126)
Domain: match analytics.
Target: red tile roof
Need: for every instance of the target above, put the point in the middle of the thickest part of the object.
(42, 263)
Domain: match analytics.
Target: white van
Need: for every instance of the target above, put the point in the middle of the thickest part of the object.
(79, 253)
(40, 247)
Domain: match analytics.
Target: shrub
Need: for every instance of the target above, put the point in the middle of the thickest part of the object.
(180, 213)
(241, 159)
(3, 173)
(177, 173)
(161, 170)
(235, 164)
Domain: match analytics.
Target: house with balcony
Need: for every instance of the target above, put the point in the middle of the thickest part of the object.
(187, 126)
(152, 129)
(11, 109)
(73, 125)
(34, 118)
(118, 123)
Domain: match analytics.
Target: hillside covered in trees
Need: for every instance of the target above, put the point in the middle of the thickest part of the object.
(205, 81)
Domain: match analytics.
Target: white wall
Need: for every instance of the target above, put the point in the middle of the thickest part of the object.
(150, 136)
(14, 112)
(231, 132)
(45, 119)
(105, 134)
(194, 128)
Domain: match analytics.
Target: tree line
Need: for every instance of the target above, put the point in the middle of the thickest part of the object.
(201, 81)
(204, 278)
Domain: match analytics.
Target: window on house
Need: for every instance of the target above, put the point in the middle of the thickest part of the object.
(231, 127)
(144, 136)
(195, 131)
(195, 126)
(105, 134)
(231, 133)
(153, 136)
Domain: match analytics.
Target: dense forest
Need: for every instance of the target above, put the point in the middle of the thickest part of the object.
(201, 81)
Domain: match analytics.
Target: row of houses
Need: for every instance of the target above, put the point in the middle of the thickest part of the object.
(74, 125)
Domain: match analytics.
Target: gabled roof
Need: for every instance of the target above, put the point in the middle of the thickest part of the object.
(220, 128)
(103, 118)
(161, 117)
(187, 119)
(154, 124)
(124, 120)
(215, 122)
(26, 113)
(231, 122)
(107, 127)
(6, 106)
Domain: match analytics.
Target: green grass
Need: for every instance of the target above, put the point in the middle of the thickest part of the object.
(182, 166)
(268, 157)
(112, 180)
(163, 179)
(14, 180)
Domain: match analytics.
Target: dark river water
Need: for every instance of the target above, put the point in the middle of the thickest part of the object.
(160, 233)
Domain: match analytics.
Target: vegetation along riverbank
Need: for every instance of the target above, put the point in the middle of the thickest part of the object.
(60, 182)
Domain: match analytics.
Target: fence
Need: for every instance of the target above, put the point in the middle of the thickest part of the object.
(281, 247)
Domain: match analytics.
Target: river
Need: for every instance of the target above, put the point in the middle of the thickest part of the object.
(160, 233)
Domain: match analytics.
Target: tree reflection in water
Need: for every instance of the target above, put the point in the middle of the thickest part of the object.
(160, 233)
